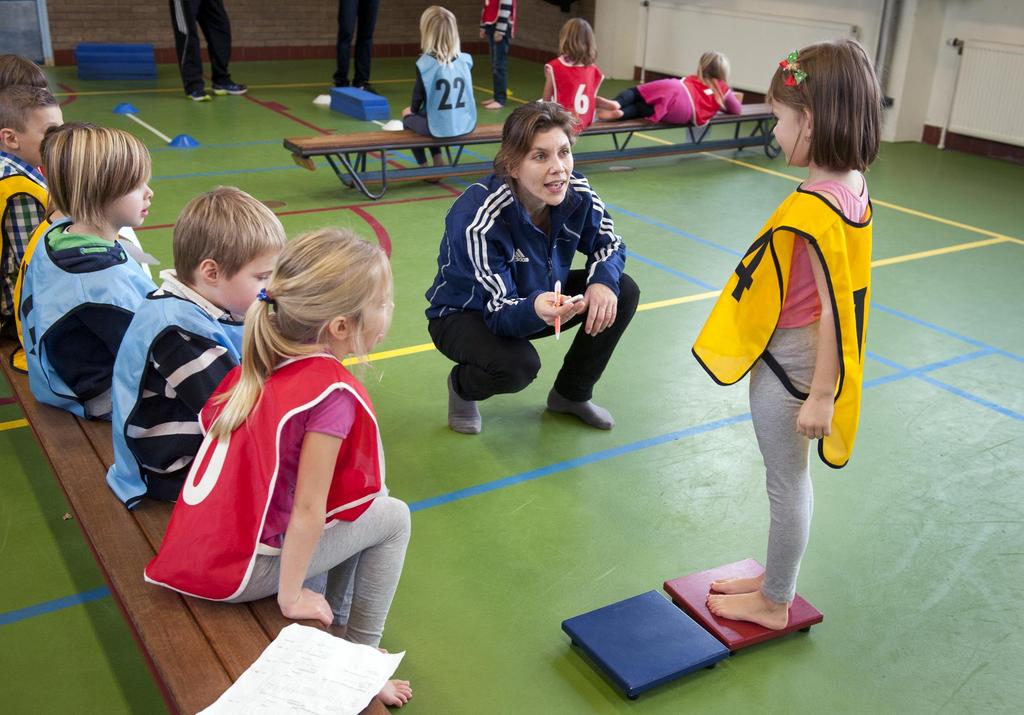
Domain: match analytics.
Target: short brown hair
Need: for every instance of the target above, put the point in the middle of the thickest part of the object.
(523, 125)
(88, 167)
(226, 225)
(842, 94)
(15, 69)
(17, 101)
(576, 42)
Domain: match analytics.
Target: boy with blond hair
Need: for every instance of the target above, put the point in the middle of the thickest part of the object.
(185, 337)
(26, 113)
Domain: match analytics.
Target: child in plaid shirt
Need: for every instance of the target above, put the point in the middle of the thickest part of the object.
(26, 112)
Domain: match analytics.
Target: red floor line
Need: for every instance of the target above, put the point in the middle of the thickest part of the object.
(12, 400)
(71, 94)
(383, 238)
(343, 207)
(282, 112)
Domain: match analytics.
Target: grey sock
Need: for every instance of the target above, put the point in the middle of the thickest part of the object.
(463, 415)
(593, 415)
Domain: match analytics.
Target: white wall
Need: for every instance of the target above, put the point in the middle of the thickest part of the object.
(990, 20)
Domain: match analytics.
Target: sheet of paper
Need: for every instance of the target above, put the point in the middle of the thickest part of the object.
(309, 672)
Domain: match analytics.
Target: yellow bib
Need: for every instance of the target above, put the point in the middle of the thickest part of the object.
(744, 319)
(11, 186)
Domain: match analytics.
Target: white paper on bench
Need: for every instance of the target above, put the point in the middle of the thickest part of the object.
(309, 671)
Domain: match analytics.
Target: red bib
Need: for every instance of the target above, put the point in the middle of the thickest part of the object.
(210, 545)
(575, 89)
(705, 105)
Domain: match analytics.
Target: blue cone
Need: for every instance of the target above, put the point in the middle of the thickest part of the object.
(125, 108)
(183, 141)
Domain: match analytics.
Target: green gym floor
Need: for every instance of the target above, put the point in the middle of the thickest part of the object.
(916, 553)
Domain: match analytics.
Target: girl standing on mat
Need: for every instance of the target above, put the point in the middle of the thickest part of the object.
(572, 79)
(795, 311)
(442, 98)
(288, 483)
(694, 99)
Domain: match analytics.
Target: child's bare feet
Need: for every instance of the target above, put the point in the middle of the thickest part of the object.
(395, 693)
(609, 115)
(753, 607)
(738, 585)
(493, 104)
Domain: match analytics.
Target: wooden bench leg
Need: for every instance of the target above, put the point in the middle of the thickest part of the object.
(305, 162)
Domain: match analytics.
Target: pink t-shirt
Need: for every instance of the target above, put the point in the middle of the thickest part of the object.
(334, 416)
(802, 306)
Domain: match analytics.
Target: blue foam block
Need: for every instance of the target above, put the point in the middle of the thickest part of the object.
(121, 61)
(359, 103)
(643, 642)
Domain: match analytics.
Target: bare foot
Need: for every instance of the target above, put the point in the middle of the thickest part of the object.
(753, 607)
(738, 585)
(493, 104)
(609, 115)
(395, 693)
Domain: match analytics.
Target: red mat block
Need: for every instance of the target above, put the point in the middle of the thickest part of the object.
(691, 592)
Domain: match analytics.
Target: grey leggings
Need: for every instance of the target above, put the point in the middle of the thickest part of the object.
(364, 557)
(791, 499)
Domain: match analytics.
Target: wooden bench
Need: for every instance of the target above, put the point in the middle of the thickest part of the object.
(347, 154)
(194, 648)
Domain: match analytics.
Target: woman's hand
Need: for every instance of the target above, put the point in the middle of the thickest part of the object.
(406, 112)
(483, 34)
(601, 304)
(547, 311)
(308, 605)
(815, 418)
(499, 36)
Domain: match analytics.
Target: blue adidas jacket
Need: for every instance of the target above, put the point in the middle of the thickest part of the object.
(494, 260)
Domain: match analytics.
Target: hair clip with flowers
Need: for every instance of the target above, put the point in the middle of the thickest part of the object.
(265, 297)
(791, 68)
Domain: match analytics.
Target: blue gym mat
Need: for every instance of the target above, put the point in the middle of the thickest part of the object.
(643, 642)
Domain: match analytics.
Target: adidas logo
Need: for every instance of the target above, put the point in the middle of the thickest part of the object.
(520, 257)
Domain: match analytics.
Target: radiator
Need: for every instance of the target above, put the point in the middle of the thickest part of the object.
(676, 36)
(989, 98)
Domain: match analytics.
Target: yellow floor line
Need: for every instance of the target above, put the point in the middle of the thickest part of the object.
(940, 251)
(13, 424)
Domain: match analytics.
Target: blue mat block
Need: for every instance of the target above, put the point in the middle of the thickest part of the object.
(359, 103)
(643, 642)
(98, 61)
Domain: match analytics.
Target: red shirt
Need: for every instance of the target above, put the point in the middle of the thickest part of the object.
(575, 88)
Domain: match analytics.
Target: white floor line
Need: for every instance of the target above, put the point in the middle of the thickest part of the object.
(378, 122)
(150, 128)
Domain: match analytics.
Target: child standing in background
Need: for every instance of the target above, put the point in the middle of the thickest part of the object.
(572, 79)
(795, 312)
(442, 98)
(83, 286)
(289, 482)
(185, 337)
(498, 24)
(694, 99)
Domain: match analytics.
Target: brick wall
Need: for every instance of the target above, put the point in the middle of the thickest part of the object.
(309, 30)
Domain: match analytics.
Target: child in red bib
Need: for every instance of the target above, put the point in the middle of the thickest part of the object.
(289, 481)
(693, 99)
(572, 79)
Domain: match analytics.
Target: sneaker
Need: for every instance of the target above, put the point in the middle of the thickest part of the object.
(229, 88)
(199, 96)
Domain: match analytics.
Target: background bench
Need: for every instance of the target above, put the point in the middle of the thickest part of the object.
(347, 153)
(194, 648)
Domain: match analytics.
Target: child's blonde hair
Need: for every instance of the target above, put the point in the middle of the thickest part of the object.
(712, 68)
(226, 225)
(89, 167)
(842, 94)
(15, 69)
(18, 101)
(439, 34)
(320, 276)
(576, 42)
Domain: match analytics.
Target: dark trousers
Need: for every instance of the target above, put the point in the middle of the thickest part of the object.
(489, 364)
(212, 19)
(356, 17)
(499, 64)
(418, 124)
(632, 104)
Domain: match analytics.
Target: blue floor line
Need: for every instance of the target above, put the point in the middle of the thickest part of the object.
(678, 274)
(56, 604)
